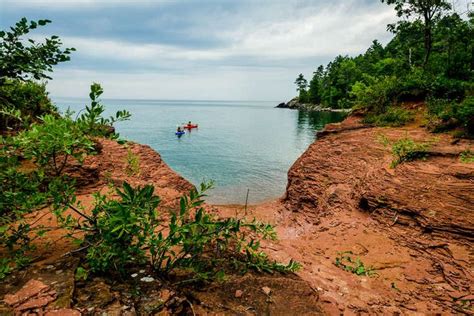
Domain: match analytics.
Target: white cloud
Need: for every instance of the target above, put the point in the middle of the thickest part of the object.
(281, 37)
(335, 30)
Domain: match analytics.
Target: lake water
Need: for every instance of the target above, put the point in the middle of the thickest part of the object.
(241, 145)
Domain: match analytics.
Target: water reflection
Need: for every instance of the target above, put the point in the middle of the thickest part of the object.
(312, 120)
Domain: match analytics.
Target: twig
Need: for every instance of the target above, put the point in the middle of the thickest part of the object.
(191, 305)
(74, 251)
(80, 213)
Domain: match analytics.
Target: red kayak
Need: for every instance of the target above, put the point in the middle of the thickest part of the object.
(190, 126)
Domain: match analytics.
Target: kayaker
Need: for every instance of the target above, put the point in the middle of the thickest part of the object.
(189, 124)
(179, 130)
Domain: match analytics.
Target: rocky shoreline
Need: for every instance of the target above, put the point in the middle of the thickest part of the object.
(411, 226)
(294, 104)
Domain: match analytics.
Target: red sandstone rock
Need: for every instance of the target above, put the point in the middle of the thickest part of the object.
(35, 303)
(30, 289)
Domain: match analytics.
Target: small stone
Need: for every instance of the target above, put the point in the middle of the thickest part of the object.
(165, 295)
(134, 275)
(142, 271)
(238, 294)
(266, 290)
(147, 279)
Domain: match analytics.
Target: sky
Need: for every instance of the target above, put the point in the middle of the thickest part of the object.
(199, 49)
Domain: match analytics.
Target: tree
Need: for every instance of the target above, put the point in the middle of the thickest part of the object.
(302, 84)
(25, 60)
(314, 92)
(428, 11)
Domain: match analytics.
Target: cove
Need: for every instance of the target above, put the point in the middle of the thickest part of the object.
(241, 145)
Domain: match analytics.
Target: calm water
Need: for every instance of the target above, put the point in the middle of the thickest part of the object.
(240, 145)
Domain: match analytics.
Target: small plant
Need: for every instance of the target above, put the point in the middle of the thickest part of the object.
(129, 231)
(393, 116)
(93, 123)
(21, 192)
(51, 143)
(407, 149)
(467, 156)
(133, 164)
(345, 261)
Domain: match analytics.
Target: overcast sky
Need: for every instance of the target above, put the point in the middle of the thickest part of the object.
(203, 49)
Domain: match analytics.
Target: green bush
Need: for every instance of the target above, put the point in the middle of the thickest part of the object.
(52, 142)
(22, 191)
(118, 232)
(452, 114)
(394, 116)
(93, 123)
(375, 94)
(415, 85)
(407, 149)
(21, 103)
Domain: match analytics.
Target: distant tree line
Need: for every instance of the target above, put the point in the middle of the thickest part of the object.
(430, 58)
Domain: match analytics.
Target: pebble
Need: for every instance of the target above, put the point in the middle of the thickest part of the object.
(134, 275)
(238, 293)
(147, 279)
(266, 290)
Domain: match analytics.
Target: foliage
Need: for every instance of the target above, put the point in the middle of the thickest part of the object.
(29, 60)
(302, 84)
(450, 114)
(467, 156)
(393, 116)
(93, 123)
(21, 103)
(345, 261)
(22, 190)
(133, 164)
(204, 244)
(430, 56)
(119, 231)
(406, 149)
(52, 142)
(376, 95)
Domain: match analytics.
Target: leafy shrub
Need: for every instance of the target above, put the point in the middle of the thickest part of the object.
(394, 116)
(206, 245)
(467, 156)
(119, 231)
(449, 114)
(415, 85)
(21, 192)
(21, 103)
(31, 60)
(407, 149)
(51, 142)
(345, 261)
(93, 123)
(375, 94)
(446, 88)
